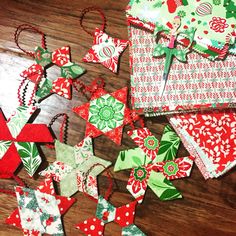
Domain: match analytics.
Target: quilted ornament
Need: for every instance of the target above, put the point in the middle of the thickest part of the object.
(17, 141)
(71, 166)
(106, 114)
(44, 59)
(106, 213)
(39, 211)
(154, 165)
(211, 138)
(106, 50)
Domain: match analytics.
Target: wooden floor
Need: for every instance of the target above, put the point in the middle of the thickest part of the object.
(208, 207)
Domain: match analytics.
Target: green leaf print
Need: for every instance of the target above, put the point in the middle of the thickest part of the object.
(4, 145)
(29, 155)
(168, 146)
(162, 187)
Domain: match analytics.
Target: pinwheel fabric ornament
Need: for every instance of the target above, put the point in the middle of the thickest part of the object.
(106, 50)
(44, 59)
(17, 141)
(154, 165)
(210, 138)
(71, 167)
(106, 113)
(106, 213)
(39, 211)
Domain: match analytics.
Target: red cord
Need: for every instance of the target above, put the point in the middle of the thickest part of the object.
(63, 128)
(11, 176)
(24, 27)
(84, 184)
(85, 11)
(19, 91)
(95, 85)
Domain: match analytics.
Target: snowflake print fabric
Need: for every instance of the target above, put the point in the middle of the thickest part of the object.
(155, 171)
(17, 141)
(71, 167)
(61, 85)
(106, 213)
(39, 211)
(210, 138)
(106, 114)
(106, 50)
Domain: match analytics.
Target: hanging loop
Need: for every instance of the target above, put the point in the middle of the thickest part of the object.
(26, 27)
(85, 11)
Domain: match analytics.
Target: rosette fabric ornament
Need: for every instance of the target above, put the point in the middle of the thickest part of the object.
(17, 141)
(106, 114)
(39, 211)
(106, 213)
(45, 59)
(154, 165)
(71, 167)
(106, 50)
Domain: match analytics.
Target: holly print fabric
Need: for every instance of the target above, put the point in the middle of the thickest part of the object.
(45, 59)
(17, 141)
(151, 170)
(39, 211)
(106, 213)
(210, 138)
(71, 167)
(106, 114)
(106, 50)
(197, 84)
(212, 20)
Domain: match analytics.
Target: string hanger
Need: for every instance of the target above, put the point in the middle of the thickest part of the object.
(87, 10)
(18, 180)
(26, 27)
(109, 190)
(63, 128)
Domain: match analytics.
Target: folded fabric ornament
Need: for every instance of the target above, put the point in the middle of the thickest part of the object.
(105, 50)
(71, 165)
(45, 59)
(106, 113)
(210, 138)
(17, 141)
(39, 211)
(106, 213)
(154, 165)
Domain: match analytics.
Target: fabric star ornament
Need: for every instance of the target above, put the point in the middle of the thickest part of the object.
(17, 141)
(72, 165)
(106, 213)
(154, 165)
(45, 59)
(107, 114)
(106, 50)
(39, 211)
(211, 138)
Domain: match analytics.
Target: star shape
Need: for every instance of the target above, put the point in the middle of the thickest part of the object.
(39, 211)
(106, 114)
(72, 165)
(155, 171)
(106, 50)
(106, 213)
(17, 141)
(44, 59)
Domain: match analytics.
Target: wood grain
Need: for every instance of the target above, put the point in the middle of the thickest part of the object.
(208, 207)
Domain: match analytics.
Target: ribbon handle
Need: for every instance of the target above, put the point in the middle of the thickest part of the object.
(18, 180)
(26, 27)
(109, 190)
(63, 128)
(88, 9)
